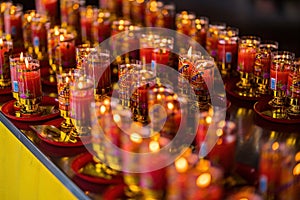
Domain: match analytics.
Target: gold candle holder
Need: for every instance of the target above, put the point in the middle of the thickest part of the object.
(30, 86)
(294, 89)
(5, 51)
(262, 66)
(280, 68)
(246, 57)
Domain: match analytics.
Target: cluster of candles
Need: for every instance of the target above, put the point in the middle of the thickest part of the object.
(83, 74)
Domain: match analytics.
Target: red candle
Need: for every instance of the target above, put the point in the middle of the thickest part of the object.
(5, 50)
(294, 80)
(161, 56)
(212, 38)
(246, 53)
(87, 16)
(39, 29)
(201, 29)
(153, 8)
(138, 11)
(101, 28)
(4, 6)
(67, 51)
(29, 80)
(184, 22)
(168, 16)
(146, 54)
(280, 69)
(48, 8)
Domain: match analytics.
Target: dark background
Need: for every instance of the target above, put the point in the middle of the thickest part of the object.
(270, 19)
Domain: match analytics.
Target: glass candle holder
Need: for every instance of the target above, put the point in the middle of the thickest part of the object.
(212, 38)
(200, 30)
(101, 27)
(30, 86)
(263, 64)
(120, 25)
(66, 52)
(6, 46)
(153, 8)
(14, 61)
(202, 80)
(166, 18)
(184, 22)
(280, 68)
(138, 12)
(13, 25)
(82, 52)
(87, 16)
(227, 50)
(246, 58)
(98, 68)
(48, 8)
(147, 44)
(114, 6)
(27, 18)
(63, 88)
(81, 98)
(4, 5)
(294, 88)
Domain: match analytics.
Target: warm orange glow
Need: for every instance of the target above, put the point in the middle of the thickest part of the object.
(21, 57)
(204, 180)
(297, 157)
(1, 42)
(189, 53)
(26, 63)
(102, 109)
(135, 137)
(275, 146)
(219, 132)
(61, 38)
(296, 170)
(170, 106)
(154, 146)
(181, 165)
(117, 118)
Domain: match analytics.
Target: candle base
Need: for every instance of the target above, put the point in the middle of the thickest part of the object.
(244, 86)
(294, 108)
(4, 83)
(262, 85)
(279, 98)
(30, 106)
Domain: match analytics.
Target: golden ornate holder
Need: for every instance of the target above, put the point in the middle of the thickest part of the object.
(294, 108)
(245, 86)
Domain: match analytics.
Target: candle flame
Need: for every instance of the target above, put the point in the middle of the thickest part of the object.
(275, 146)
(170, 106)
(154, 146)
(61, 38)
(21, 57)
(117, 118)
(297, 156)
(102, 109)
(181, 165)
(204, 180)
(135, 137)
(1, 41)
(189, 52)
(26, 63)
(296, 170)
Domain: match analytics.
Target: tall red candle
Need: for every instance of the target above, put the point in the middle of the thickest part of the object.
(66, 51)
(212, 38)
(5, 51)
(101, 28)
(87, 16)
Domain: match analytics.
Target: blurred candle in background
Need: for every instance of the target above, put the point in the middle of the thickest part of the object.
(5, 51)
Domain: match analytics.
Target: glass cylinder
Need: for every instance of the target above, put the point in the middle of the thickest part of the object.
(27, 18)
(4, 5)
(138, 12)
(114, 6)
(87, 16)
(81, 98)
(280, 68)
(13, 25)
(202, 80)
(147, 45)
(227, 50)
(40, 25)
(120, 25)
(66, 52)
(184, 22)
(101, 27)
(48, 8)
(166, 18)
(200, 30)
(294, 88)
(30, 85)
(153, 9)
(263, 64)
(98, 68)
(246, 53)
(212, 38)
(162, 51)
(82, 52)
(6, 46)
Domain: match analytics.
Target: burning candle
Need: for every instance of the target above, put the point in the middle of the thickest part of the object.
(29, 14)
(87, 16)
(5, 52)
(13, 25)
(66, 51)
(227, 49)
(3, 7)
(120, 25)
(200, 30)
(212, 38)
(246, 53)
(39, 28)
(101, 28)
(138, 11)
(184, 22)
(147, 44)
(48, 8)
(246, 193)
(294, 79)
(153, 8)
(81, 98)
(166, 18)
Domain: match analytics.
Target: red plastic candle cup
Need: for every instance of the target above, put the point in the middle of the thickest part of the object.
(29, 80)
(223, 153)
(200, 30)
(184, 22)
(280, 68)
(98, 68)
(294, 80)
(246, 53)
(66, 51)
(87, 16)
(101, 28)
(212, 37)
(4, 6)
(227, 48)
(13, 25)
(48, 8)
(147, 44)
(160, 56)
(6, 46)
(263, 58)
(153, 9)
